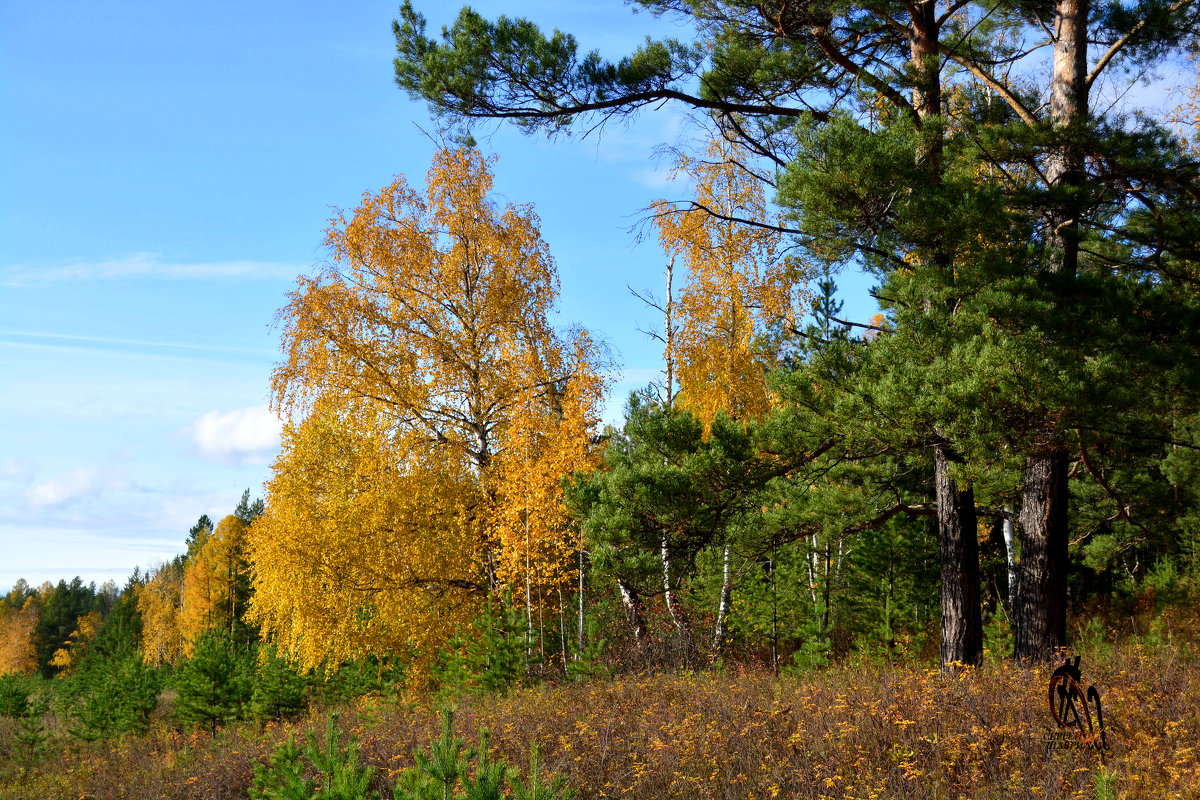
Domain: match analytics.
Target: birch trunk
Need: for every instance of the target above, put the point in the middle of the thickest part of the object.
(633, 610)
(723, 605)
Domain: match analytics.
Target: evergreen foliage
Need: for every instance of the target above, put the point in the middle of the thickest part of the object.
(284, 777)
(60, 612)
(448, 764)
(31, 735)
(446, 770)
(14, 695)
(279, 690)
(340, 776)
(494, 654)
(214, 685)
(114, 696)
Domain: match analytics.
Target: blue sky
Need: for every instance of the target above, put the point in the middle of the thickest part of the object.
(168, 171)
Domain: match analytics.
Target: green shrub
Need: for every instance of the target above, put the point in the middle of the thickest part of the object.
(279, 691)
(491, 656)
(14, 695)
(448, 764)
(342, 777)
(114, 696)
(214, 685)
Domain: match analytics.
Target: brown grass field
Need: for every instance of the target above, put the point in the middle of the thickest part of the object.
(854, 730)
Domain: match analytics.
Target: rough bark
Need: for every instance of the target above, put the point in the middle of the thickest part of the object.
(962, 622)
(1040, 612)
(1068, 107)
(1040, 609)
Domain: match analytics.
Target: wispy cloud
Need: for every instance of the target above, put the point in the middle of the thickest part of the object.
(146, 265)
(74, 485)
(36, 338)
(242, 436)
(17, 470)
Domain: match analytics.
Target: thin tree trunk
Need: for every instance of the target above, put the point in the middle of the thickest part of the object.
(812, 570)
(562, 629)
(678, 616)
(962, 622)
(826, 594)
(633, 610)
(669, 337)
(774, 615)
(528, 591)
(1010, 548)
(666, 573)
(579, 641)
(723, 605)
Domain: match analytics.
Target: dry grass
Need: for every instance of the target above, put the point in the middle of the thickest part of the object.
(855, 730)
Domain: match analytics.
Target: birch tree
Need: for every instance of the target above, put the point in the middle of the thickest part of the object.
(418, 368)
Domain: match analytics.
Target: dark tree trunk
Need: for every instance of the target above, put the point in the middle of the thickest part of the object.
(962, 623)
(1040, 607)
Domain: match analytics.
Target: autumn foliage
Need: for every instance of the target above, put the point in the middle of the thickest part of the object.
(435, 411)
(859, 730)
(739, 284)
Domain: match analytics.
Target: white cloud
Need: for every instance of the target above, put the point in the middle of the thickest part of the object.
(242, 436)
(148, 265)
(73, 485)
(17, 470)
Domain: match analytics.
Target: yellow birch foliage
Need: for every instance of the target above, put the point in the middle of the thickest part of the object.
(18, 654)
(426, 310)
(548, 438)
(406, 363)
(158, 603)
(198, 602)
(365, 547)
(737, 285)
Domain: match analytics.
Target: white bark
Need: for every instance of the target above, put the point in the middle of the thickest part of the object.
(723, 606)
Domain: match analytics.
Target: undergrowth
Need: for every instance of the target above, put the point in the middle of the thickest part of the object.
(858, 729)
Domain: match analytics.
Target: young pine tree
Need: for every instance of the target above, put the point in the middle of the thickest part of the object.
(214, 684)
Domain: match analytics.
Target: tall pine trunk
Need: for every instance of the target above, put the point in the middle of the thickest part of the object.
(1040, 617)
(1040, 610)
(962, 623)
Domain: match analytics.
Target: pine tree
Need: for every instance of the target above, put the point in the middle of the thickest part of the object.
(115, 695)
(279, 690)
(1005, 218)
(214, 685)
